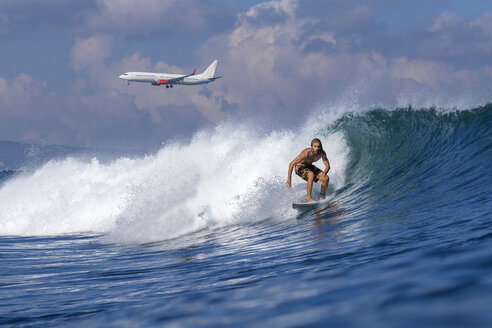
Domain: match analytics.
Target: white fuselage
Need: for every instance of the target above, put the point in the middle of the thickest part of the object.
(164, 78)
(169, 79)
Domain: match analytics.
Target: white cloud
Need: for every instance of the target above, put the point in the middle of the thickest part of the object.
(91, 51)
(484, 22)
(420, 71)
(287, 7)
(19, 94)
(268, 69)
(280, 58)
(27, 110)
(447, 20)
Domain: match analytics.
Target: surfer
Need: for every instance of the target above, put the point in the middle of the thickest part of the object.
(305, 169)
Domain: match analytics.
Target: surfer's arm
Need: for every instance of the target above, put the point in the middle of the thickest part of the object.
(327, 164)
(295, 161)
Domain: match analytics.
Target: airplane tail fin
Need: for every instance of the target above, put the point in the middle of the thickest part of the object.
(210, 71)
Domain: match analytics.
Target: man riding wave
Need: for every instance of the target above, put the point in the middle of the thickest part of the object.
(304, 168)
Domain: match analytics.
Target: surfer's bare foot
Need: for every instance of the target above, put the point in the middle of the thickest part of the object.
(310, 200)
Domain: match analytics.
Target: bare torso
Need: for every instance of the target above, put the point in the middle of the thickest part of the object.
(309, 157)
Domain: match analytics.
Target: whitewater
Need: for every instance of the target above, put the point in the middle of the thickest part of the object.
(228, 175)
(202, 232)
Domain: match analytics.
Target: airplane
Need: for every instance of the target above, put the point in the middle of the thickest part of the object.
(169, 79)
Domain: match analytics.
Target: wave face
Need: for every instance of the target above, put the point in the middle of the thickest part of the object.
(382, 161)
(418, 160)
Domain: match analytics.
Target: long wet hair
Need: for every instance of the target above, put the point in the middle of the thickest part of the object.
(318, 141)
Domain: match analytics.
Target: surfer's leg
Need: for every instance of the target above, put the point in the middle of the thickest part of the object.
(310, 186)
(324, 179)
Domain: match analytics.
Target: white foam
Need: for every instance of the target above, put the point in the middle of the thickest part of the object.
(229, 175)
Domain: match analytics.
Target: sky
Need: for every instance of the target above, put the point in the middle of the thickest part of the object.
(280, 60)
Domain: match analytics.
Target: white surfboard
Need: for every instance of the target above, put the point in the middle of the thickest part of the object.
(308, 205)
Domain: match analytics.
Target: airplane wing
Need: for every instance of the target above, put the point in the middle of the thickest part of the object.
(179, 79)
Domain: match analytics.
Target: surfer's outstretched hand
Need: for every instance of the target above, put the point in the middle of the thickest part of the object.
(288, 184)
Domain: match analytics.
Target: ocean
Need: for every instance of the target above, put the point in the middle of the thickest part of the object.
(201, 233)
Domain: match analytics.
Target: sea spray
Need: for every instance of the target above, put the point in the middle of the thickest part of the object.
(227, 175)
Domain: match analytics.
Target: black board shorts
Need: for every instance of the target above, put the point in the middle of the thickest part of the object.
(303, 170)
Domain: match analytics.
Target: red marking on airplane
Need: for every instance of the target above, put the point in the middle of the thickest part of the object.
(160, 82)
